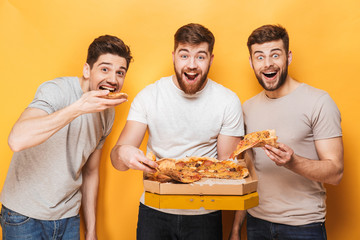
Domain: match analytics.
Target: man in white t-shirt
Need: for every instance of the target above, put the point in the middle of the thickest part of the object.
(307, 123)
(186, 114)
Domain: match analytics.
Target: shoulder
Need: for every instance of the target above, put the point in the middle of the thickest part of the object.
(258, 97)
(220, 91)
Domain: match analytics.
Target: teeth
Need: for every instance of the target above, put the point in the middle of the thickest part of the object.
(107, 88)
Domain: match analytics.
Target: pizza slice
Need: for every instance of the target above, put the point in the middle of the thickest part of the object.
(255, 139)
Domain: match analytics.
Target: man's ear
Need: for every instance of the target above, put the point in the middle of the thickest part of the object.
(211, 58)
(289, 57)
(250, 61)
(86, 71)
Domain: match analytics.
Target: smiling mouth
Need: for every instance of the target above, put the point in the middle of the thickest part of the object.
(111, 89)
(269, 74)
(191, 76)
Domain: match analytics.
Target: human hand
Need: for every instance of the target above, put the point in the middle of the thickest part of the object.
(94, 101)
(281, 155)
(134, 158)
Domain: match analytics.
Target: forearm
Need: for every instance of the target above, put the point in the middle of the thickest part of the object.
(35, 127)
(89, 203)
(237, 224)
(325, 171)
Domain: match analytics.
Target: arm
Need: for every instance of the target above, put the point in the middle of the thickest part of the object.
(126, 153)
(35, 126)
(328, 169)
(89, 189)
(226, 145)
(239, 218)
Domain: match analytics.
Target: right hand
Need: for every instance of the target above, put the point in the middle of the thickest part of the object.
(92, 101)
(134, 158)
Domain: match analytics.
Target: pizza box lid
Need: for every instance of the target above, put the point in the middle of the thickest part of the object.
(207, 186)
(209, 202)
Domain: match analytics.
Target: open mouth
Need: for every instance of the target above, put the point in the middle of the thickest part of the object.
(111, 89)
(270, 74)
(191, 76)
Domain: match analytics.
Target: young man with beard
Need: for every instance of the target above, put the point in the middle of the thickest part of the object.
(186, 114)
(57, 142)
(310, 153)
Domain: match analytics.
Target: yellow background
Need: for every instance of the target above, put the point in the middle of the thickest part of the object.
(44, 39)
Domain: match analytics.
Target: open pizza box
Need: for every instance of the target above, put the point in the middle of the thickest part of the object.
(221, 194)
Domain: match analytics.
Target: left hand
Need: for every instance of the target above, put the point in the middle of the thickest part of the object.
(281, 156)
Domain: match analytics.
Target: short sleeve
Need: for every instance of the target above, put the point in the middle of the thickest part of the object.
(48, 97)
(326, 118)
(233, 124)
(137, 110)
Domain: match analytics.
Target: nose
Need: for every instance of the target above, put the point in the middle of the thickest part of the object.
(192, 63)
(268, 62)
(112, 78)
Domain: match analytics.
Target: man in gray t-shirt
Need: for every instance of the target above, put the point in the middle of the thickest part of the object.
(57, 144)
(307, 123)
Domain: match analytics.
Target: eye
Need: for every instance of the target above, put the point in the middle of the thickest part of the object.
(104, 70)
(183, 56)
(260, 57)
(275, 55)
(120, 73)
(201, 57)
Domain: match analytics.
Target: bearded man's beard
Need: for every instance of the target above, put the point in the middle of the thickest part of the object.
(191, 88)
(281, 81)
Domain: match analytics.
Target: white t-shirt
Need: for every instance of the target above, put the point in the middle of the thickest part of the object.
(183, 125)
(299, 118)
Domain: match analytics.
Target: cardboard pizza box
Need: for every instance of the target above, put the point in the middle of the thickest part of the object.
(209, 186)
(209, 202)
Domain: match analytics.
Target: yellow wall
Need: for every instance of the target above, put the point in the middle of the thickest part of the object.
(41, 40)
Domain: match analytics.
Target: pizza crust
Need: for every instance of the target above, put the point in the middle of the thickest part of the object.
(116, 95)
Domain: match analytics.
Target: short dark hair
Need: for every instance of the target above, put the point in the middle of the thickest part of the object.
(194, 33)
(268, 33)
(108, 44)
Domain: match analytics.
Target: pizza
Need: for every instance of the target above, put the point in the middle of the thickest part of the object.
(192, 169)
(116, 95)
(255, 139)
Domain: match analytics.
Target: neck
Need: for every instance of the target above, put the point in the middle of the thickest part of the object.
(84, 83)
(289, 86)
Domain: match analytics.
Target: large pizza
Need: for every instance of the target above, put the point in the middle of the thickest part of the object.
(192, 169)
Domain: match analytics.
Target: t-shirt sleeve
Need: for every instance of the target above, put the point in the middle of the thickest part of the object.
(233, 124)
(48, 97)
(137, 110)
(326, 119)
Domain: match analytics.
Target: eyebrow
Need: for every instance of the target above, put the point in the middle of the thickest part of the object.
(186, 50)
(272, 50)
(107, 63)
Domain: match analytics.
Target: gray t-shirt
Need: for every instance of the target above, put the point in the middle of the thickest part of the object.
(43, 181)
(183, 125)
(299, 118)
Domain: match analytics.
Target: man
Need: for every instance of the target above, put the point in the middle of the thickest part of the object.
(186, 114)
(57, 143)
(307, 122)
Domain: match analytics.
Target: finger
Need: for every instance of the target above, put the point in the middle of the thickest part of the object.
(149, 163)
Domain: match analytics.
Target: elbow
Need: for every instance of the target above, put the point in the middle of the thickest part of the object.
(337, 178)
(14, 145)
